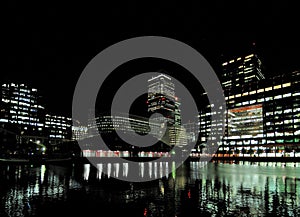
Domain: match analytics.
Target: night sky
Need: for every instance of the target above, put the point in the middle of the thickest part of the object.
(48, 45)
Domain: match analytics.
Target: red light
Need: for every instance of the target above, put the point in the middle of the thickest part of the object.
(189, 194)
(163, 98)
(145, 212)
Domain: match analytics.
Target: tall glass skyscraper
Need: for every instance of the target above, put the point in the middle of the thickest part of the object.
(161, 97)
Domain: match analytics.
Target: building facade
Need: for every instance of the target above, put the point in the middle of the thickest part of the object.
(262, 116)
(161, 97)
(58, 128)
(241, 71)
(22, 110)
(21, 106)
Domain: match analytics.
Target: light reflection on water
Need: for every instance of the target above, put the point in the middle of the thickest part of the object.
(194, 189)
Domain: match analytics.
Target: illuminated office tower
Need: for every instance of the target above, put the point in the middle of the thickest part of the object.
(161, 97)
(263, 119)
(21, 106)
(59, 128)
(240, 71)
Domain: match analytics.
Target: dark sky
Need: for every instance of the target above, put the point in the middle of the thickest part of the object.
(48, 45)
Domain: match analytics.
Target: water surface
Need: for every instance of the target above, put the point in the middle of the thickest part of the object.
(194, 189)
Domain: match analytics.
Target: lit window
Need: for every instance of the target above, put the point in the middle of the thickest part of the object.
(260, 90)
(278, 97)
(287, 110)
(286, 85)
(268, 98)
(251, 55)
(268, 88)
(277, 87)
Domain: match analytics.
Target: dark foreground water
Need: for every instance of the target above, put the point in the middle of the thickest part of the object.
(194, 189)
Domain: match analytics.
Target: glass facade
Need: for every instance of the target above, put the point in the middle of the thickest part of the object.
(262, 118)
(59, 128)
(161, 97)
(21, 105)
(240, 71)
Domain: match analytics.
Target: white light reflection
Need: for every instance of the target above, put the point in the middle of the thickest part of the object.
(86, 171)
(99, 171)
(125, 169)
(108, 169)
(43, 170)
(160, 169)
(116, 169)
(150, 169)
(167, 169)
(142, 169)
(155, 170)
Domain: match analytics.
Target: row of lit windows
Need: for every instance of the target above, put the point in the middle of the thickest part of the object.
(22, 95)
(280, 111)
(260, 100)
(22, 99)
(23, 108)
(57, 127)
(262, 90)
(24, 118)
(273, 122)
(54, 117)
(58, 131)
(57, 123)
(53, 120)
(18, 112)
(247, 58)
(57, 136)
(21, 85)
(25, 123)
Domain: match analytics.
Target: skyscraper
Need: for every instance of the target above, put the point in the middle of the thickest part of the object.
(161, 97)
(262, 115)
(240, 71)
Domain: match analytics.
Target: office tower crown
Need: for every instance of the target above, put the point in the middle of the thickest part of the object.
(241, 70)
